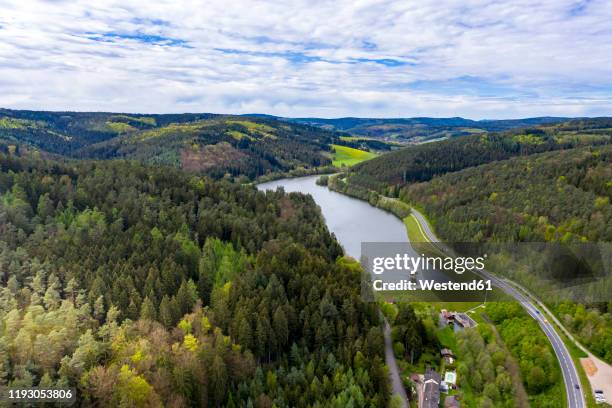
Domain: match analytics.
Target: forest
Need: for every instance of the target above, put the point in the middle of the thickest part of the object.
(557, 196)
(149, 286)
(215, 145)
(386, 174)
(485, 371)
(533, 352)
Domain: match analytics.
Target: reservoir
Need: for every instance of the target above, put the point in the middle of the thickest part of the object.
(353, 221)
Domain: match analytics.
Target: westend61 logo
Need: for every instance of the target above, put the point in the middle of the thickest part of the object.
(471, 271)
(412, 264)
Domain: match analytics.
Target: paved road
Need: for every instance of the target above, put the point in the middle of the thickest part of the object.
(575, 398)
(396, 379)
(602, 379)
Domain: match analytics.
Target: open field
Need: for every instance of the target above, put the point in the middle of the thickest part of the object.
(347, 156)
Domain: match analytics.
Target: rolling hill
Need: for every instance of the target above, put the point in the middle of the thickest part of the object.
(205, 143)
(146, 286)
(421, 163)
(421, 129)
(552, 196)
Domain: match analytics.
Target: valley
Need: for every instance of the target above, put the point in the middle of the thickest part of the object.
(191, 265)
(306, 204)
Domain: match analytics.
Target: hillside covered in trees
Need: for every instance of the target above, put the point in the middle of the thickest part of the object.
(419, 130)
(149, 286)
(553, 196)
(204, 143)
(421, 163)
(553, 187)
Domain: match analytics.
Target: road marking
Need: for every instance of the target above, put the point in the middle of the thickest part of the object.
(420, 229)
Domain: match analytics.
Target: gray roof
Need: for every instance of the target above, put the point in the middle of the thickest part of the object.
(431, 389)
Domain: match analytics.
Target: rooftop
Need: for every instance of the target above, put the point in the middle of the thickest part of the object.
(431, 389)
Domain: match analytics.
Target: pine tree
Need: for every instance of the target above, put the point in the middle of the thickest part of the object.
(244, 336)
(52, 298)
(147, 310)
(186, 297)
(281, 327)
(218, 380)
(166, 315)
(45, 207)
(99, 308)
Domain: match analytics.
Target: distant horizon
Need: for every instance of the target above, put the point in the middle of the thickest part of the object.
(302, 117)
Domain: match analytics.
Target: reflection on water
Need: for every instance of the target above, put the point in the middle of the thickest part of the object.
(352, 220)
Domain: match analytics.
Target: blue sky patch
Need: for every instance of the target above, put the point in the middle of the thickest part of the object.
(387, 62)
(292, 56)
(139, 37)
(150, 21)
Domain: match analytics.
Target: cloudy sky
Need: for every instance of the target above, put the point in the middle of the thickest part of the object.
(477, 59)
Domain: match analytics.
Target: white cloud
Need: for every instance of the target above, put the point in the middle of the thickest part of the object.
(309, 58)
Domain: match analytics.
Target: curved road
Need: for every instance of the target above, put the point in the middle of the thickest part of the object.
(575, 398)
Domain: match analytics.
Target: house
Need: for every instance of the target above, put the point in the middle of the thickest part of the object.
(431, 389)
(448, 355)
(458, 320)
(451, 402)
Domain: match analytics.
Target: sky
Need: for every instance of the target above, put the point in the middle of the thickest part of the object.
(367, 58)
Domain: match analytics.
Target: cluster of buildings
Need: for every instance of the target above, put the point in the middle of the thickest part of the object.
(432, 385)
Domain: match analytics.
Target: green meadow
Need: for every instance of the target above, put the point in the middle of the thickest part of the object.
(347, 156)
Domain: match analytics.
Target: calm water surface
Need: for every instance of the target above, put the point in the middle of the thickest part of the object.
(353, 221)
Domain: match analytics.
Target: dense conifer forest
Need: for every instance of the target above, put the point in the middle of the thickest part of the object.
(147, 286)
